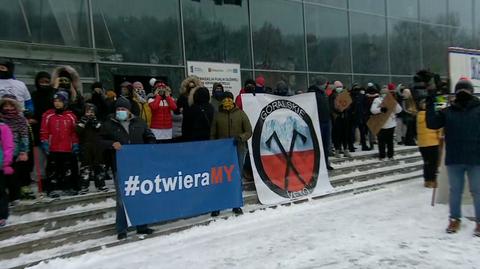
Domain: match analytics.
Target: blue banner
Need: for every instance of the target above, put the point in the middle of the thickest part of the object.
(171, 181)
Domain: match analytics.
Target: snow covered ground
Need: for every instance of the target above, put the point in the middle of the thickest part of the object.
(394, 227)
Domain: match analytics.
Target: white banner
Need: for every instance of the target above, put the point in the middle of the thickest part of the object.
(286, 147)
(464, 63)
(226, 74)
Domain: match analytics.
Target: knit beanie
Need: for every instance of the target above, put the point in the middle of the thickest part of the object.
(123, 102)
(62, 96)
(464, 84)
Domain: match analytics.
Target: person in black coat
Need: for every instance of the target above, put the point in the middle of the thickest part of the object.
(359, 115)
(91, 158)
(120, 129)
(323, 108)
(462, 147)
(198, 118)
(42, 101)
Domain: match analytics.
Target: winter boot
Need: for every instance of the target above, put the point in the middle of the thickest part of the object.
(103, 189)
(83, 191)
(3, 222)
(476, 232)
(237, 211)
(453, 226)
(26, 193)
(122, 236)
(215, 213)
(347, 154)
(431, 184)
(337, 153)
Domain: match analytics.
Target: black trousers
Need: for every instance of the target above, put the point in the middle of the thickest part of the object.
(430, 156)
(341, 133)
(363, 129)
(3, 197)
(20, 178)
(385, 140)
(62, 172)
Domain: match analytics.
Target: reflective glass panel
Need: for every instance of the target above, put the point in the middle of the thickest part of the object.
(328, 47)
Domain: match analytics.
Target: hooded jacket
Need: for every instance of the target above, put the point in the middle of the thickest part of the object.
(17, 88)
(461, 129)
(76, 102)
(198, 118)
(58, 130)
(230, 124)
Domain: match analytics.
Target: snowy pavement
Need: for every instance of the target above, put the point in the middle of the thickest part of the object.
(394, 227)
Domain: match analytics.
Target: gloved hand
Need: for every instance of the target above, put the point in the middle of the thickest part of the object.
(384, 109)
(8, 170)
(83, 122)
(95, 123)
(75, 149)
(45, 147)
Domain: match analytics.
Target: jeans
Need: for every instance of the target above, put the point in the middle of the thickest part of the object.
(456, 179)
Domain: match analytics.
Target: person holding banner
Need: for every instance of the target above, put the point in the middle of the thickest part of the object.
(386, 103)
(232, 122)
(462, 147)
(120, 129)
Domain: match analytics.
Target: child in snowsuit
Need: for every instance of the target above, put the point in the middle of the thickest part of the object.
(91, 157)
(59, 141)
(6, 156)
(11, 113)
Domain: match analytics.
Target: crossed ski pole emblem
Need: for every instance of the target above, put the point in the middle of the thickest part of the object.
(288, 156)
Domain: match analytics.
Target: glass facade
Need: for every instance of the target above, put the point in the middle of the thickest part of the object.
(290, 40)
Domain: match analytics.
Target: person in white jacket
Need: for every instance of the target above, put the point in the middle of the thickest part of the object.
(385, 136)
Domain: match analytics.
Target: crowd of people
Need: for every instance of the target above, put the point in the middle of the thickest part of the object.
(68, 140)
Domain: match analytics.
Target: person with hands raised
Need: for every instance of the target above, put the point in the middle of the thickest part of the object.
(162, 105)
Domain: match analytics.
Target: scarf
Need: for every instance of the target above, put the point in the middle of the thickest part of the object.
(16, 122)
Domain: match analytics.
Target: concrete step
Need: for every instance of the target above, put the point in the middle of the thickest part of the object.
(165, 229)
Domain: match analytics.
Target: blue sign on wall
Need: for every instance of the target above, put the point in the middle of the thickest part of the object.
(170, 181)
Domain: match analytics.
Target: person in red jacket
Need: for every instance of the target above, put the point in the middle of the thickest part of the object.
(162, 104)
(59, 141)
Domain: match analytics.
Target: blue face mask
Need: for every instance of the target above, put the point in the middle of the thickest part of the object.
(121, 115)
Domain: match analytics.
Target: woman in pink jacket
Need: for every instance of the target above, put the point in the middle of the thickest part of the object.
(6, 157)
(162, 104)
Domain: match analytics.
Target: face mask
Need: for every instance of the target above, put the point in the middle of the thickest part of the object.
(228, 104)
(462, 98)
(218, 94)
(339, 90)
(65, 85)
(362, 92)
(5, 75)
(121, 115)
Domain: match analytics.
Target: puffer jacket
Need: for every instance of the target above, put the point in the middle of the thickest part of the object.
(58, 130)
(162, 112)
(7, 146)
(426, 137)
(229, 124)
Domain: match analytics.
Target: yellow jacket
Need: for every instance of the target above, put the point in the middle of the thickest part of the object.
(426, 137)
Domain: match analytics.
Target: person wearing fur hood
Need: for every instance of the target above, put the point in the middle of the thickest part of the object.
(184, 100)
(66, 78)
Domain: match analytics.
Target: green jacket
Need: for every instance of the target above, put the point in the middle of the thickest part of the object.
(229, 124)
